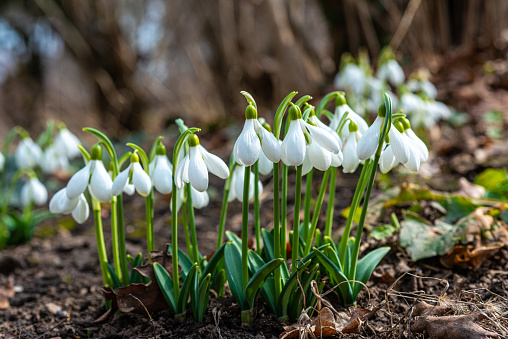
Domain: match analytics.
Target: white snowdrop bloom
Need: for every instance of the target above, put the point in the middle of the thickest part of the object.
(68, 143)
(2, 161)
(128, 189)
(134, 174)
(254, 138)
(387, 160)
(33, 191)
(199, 199)
(424, 86)
(437, 110)
(418, 143)
(352, 78)
(78, 206)
(370, 139)
(410, 103)
(341, 107)
(28, 153)
(161, 172)
(391, 72)
(265, 165)
(196, 164)
(237, 181)
(351, 161)
(400, 147)
(53, 159)
(94, 176)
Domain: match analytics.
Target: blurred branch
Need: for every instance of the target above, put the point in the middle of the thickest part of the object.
(405, 23)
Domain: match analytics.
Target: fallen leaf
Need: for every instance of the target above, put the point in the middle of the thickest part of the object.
(323, 325)
(358, 317)
(467, 256)
(6, 292)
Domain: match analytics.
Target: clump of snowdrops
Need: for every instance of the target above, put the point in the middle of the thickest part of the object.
(22, 174)
(298, 141)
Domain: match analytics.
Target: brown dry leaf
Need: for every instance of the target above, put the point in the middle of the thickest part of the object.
(452, 327)
(424, 309)
(469, 190)
(322, 326)
(6, 292)
(358, 317)
(461, 256)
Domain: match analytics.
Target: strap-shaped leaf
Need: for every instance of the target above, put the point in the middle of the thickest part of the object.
(114, 277)
(328, 240)
(285, 294)
(235, 239)
(268, 290)
(366, 266)
(166, 285)
(203, 296)
(336, 277)
(135, 277)
(326, 99)
(214, 261)
(268, 243)
(186, 287)
(183, 260)
(233, 261)
(296, 301)
(257, 280)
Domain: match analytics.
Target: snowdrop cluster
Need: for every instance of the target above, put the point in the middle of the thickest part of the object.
(416, 96)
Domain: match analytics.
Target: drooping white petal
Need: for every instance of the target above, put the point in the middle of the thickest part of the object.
(61, 204)
(392, 72)
(320, 158)
(28, 154)
(351, 77)
(82, 211)
(387, 160)
(424, 152)
(323, 137)
(198, 174)
(121, 181)
(199, 199)
(162, 174)
(307, 165)
(247, 146)
(321, 125)
(214, 164)
(141, 180)
(182, 172)
(413, 162)
(79, 182)
(370, 140)
(359, 121)
(100, 182)
(238, 182)
(337, 159)
(179, 198)
(350, 162)
(265, 165)
(399, 147)
(129, 189)
(269, 144)
(2, 161)
(68, 142)
(294, 145)
(34, 191)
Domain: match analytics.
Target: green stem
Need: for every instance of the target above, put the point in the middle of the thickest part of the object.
(192, 225)
(101, 246)
(257, 222)
(245, 228)
(188, 242)
(317, 211)
(276, 229)
(224, 208)
(284, 212)
(121, 241)
(331, 203)
(306, 204)
(174, 238)
(296, 220)
(149, 222)
(360, 188)
(114, 238)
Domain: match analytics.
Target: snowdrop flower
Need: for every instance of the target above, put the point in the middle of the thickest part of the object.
(94, 176)
(391, 72)
(199, 199)
(78, 206)
(419, 144)
(2, 161)
(237, 181)
(68, 142)
(28, 153)
(369, 141)
(341, 107)
(387, 160)
(294, 145)
(253, 139)
(196, 164)
(134, 174)
(424, 86)
(33, 191)
(52, 160)
(128, 189)
(161, 171)
(352, 78)
(351, 161)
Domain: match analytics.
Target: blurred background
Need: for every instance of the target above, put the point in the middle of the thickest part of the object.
(130, 65)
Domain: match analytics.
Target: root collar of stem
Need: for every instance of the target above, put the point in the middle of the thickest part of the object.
(245, 228)
(296, 221)
(247, 317)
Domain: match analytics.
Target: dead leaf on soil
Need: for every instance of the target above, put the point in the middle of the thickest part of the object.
(359, 316)
(467, 256)
(450, 326)
(139, 298)
(6, 292)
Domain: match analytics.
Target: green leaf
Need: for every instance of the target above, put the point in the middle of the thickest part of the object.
(166, 285)
(235, 239)
(336, 277)
(382, 232)
(185, 290)
(142, 155)
(114, 277)
(366, 266)
(135, 277)
(268, 243)
(268, 290)
(109, 147)
(203, 296)
(285, 295)
(297, 302)
(214, 261)
(324, 102)
(458, 207)
(183, 260)
(257, 280)
(356, 217)
(233, 261)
